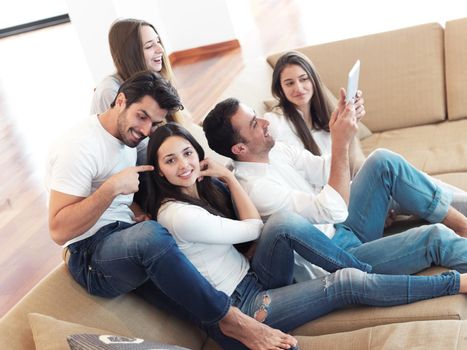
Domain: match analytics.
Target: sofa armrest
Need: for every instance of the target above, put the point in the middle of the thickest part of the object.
(59, 296)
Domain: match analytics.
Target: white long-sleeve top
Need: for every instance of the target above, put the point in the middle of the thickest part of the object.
(296, 180)
(207, 241)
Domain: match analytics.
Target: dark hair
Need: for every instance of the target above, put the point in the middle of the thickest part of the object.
(127, 51)
(218, 127)
(320, 106)
(212, 198)
(151, 84)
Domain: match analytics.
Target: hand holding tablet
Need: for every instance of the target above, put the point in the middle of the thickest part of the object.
(352, 83)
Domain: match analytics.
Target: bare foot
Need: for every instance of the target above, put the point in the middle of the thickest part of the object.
(456, 222)
(253, 334)
(463, 283)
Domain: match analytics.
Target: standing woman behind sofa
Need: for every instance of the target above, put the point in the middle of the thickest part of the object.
(182, 193)
(135, 46)
(301, 117)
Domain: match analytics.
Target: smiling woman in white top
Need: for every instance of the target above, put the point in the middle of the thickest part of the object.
(301, 117)
(200, 215)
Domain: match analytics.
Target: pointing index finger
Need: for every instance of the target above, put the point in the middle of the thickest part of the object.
(141, 168)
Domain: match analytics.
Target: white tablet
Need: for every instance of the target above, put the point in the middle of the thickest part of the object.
(352, 83)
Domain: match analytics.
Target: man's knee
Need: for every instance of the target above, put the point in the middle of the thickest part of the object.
(439, 234)
(347, 278)
(286, 220)
(383, 159)
(382, 155)
(151, 233)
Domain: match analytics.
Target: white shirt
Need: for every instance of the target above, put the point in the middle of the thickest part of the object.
(81, 160)
(296, 180)
(209, 246)
(282, 129)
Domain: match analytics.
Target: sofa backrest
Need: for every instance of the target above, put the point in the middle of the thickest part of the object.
(456, 71)
(59, 296)
(402, 74)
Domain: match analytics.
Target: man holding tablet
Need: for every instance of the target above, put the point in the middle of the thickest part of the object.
(280, 177)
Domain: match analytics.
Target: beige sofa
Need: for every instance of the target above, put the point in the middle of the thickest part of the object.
(413, 83)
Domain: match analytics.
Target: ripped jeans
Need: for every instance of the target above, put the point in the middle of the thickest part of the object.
(291, 306)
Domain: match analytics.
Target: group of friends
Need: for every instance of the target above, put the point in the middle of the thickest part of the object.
(293, 232)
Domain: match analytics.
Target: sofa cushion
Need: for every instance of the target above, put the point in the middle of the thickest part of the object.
(115, 342)
(446, 335)
(402, 74)
(59, 296)
(426, 335)
(458, 180)
(453, 307)
(456, 74)
(52, 334)
(435, 149)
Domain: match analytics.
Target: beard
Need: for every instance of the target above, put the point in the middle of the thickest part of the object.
(127, 134)
(270, 144)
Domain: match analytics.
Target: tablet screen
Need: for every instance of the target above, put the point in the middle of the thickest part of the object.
(352, 83)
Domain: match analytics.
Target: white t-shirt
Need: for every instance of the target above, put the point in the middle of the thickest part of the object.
(81, 160)
(105, 93)
(296, 180)
(282, 129)
(209, 246)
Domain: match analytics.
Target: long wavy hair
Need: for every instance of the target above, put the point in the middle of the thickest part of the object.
(213, 197)
(321, 106)
(128, 53)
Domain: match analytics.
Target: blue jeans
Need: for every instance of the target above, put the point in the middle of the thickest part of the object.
(385, 176)
(287, 232)
(122, 257)
(286, 306)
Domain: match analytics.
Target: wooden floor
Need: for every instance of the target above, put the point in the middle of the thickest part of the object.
(46, 87)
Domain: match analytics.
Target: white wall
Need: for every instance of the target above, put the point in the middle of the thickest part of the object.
(91, 21)
(198, 23)
(18, 12)
(337, 20)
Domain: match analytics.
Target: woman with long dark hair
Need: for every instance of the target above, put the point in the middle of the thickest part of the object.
(304, 107)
